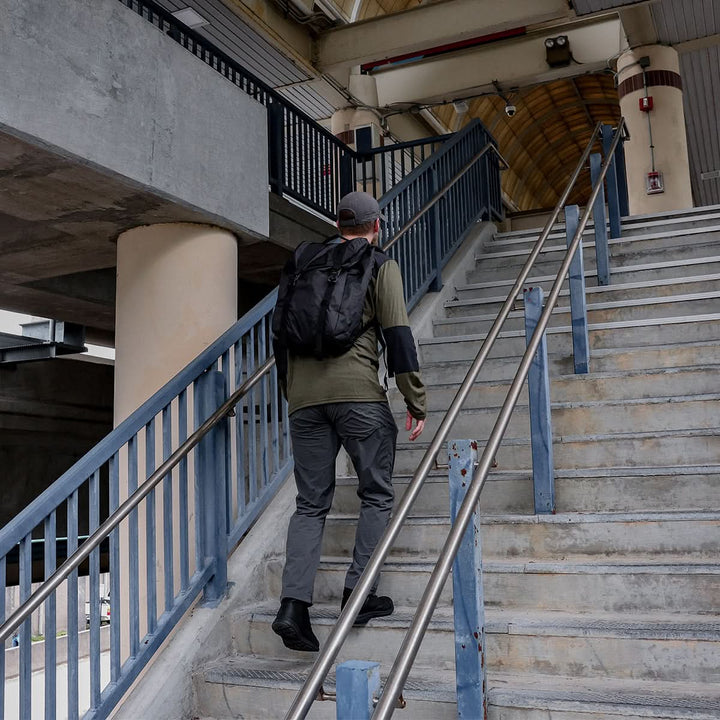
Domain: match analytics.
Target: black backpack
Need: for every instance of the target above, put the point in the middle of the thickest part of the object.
(321, 297)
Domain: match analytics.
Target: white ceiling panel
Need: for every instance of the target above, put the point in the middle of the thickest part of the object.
(681, 20)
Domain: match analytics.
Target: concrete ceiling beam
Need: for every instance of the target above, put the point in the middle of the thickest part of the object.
(428, 26)
(513, 63)
(639, 25)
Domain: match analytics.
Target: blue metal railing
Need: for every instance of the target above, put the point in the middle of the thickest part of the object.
(138, 491)
(158, 552)
(306, 161)
(473, 177)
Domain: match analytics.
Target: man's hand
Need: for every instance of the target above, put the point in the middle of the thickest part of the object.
(418, 428)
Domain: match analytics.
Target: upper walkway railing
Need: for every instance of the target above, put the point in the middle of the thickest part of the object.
(306, 161)
(162, 500)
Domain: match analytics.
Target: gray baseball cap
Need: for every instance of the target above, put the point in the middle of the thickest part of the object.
(359, 208)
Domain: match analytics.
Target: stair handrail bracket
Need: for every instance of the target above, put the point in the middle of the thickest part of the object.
(393, 687)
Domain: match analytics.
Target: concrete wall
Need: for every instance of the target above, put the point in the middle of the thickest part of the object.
(51, 413)
(94, 81)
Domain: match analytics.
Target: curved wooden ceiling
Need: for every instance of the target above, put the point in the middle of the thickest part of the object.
(545, 139)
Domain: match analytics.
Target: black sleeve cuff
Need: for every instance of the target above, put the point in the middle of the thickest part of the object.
(401, 353)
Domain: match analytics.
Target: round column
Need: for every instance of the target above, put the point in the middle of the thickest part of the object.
(176, 293)
(667, 124)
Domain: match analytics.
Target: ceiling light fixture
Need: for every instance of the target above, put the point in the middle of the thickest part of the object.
(557, 51)
(191, 18)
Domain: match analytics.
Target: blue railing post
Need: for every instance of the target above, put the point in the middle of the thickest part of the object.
(276, 147)
(468, 600)
(578, 304)
(612, 184)
(434, 235)
(357, 684)
(622, 179)
(211, 466)
(540, 420)
(601, 237)
(347, 179)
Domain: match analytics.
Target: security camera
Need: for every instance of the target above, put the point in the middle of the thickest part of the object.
(510, 110)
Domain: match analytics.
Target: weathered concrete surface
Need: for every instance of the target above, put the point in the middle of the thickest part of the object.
(106, 124)
(51, 413)
(95, 82)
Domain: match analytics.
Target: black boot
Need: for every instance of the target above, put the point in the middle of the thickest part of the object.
(373, 607)
(292, 624)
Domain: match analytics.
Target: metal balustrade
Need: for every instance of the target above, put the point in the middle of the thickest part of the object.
(162, 505)
(306, 161)
(431, 212)
(161, 501)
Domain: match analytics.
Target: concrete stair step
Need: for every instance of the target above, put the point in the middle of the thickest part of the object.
(615, 489)
(623, 253)
(634, 224)
(466, 304)
(617, 385)
(554, 537)
(640, 449)
(525, 240)
(589, 418)
(598, 312)
(625, 334)
(628, 585)
(638, 272)
(652, 647)
(499, 368)
(635, 243)
(234, 687)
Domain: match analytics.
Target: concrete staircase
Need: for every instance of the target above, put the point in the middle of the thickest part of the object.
(608, 609)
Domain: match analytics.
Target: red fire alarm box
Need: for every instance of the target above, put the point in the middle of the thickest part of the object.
(646, 104)
(654, 183)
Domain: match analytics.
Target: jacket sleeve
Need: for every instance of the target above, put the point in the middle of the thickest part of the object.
(401, 353)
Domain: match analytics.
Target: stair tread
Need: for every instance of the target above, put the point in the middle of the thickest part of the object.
(508, 441)
(560, 518)
(503, 688)
(649, 565)
(565, 309)
(564, 329)
(659, 626)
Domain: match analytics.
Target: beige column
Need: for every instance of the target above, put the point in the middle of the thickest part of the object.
(666, 124)
(176, 293)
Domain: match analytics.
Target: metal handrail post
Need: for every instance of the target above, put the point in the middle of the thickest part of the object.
(305, 698)
(414, 636)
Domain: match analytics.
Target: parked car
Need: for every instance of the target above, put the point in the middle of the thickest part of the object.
(104, 612)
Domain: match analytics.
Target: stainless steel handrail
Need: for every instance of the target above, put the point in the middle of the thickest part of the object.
(411, 644)
(73, 562)
(444, 191)
(305, 698)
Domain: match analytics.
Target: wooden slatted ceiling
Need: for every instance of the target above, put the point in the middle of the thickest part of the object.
(544, 140)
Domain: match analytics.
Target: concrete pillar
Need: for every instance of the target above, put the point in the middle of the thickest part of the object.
(176, 293)
(667, 123)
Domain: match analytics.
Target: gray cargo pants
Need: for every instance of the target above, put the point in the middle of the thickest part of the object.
(368, 433)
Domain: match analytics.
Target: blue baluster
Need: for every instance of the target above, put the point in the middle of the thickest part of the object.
(50, 549)
(468, 599)
(358, 685)
(578, 303)
(540, 420)
(601, 237)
